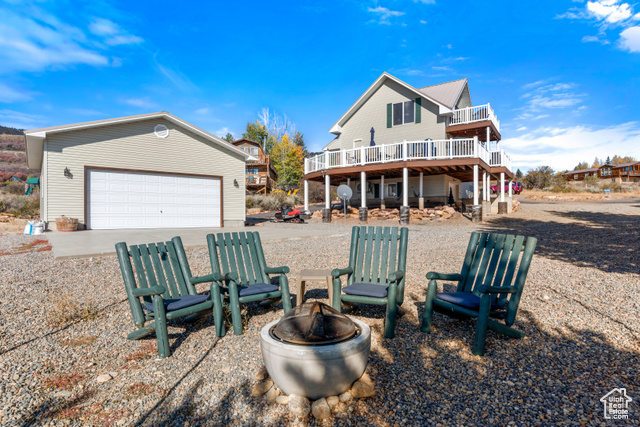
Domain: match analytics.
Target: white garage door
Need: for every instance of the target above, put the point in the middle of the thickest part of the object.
(143, 200)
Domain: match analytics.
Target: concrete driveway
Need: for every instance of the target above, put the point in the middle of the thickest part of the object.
(87, 243)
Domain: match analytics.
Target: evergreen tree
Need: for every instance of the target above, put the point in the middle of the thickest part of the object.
(519, 174)
(298, 140)
(229, 138)
(608, 161)
(258, 133)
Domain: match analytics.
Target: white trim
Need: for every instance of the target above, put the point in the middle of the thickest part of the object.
(336, 128)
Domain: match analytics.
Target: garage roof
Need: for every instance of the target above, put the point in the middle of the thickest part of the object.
(35, 137)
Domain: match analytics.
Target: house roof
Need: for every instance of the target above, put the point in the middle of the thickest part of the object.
(446, 93)
(333, 145)
(244, 140)
(581, 171)
(623, 165)
(35, 138)
(33, 180)
(337, 127)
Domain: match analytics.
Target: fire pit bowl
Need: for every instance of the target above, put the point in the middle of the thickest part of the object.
(315, 351)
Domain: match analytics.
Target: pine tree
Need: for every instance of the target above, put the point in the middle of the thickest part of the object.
(608, 161)
(229, 138)
(519, 174)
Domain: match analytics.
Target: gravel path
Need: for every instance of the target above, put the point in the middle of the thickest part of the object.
(64, 323)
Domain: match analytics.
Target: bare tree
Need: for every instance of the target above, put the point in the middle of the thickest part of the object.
(277, 125)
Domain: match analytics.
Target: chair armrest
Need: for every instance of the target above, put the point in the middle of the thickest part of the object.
(441, 276)
(220, 277)
(277, 270)
(396, 275)
(497, 290)
(146, 292)
(201, 279)
(341, 271)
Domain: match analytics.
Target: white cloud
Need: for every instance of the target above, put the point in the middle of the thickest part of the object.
(203, 110)
(563, 148)
(609, 10)
(9, 94)
(442, 68)
(589, 39)
(114, 35)
(545, 95)
(422, 21)
(384, 14)
(21, 120)
(630, 39)
(521, 128)
(223, 131)
(32, 40)
(140, 102)
(425, 1)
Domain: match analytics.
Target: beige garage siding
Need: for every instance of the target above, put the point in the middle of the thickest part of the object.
(135, 146)
(373, 113)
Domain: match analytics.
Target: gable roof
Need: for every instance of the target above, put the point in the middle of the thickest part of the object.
(581, 171)
(337, 127)
(446, 93)
(35, 138)
(622, 165)
(244, 140)
(333, 145)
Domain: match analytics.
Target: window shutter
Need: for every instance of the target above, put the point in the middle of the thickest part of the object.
(418, 110)
(389, 115)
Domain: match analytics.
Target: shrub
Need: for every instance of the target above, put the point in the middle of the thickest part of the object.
(564, 189)
(272, 202)
(14, 188)
(64, 310)
(20, 205)
(614, 187)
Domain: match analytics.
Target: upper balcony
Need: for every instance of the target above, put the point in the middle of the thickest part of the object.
(446, 149)
(473, 121)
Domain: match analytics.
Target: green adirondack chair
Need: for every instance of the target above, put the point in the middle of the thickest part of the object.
(486, 286)
(375, 274)
(164, 290)
(240, 271)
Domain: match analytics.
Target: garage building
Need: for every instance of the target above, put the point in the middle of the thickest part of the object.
(147, 171)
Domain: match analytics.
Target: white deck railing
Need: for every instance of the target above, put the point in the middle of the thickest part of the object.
(474, 114)
(406, 151)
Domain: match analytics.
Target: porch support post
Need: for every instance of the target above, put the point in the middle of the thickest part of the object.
(326, 212)
(488, 136)
(349, 185)
(404, 209)
(510, 189)
(421, 199)
(476, 209)
(502, 205)
(486, 198)
(382, 205)
(364, 212)
(306, 195)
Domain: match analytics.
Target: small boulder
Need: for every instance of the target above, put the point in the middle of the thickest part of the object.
(262, 374)
(299, 405)
(320, 409)
(261, 388)
(271, 395)
(282, 400)
(333, 401)
(63, 394)
(346, 397)
(362, 389)
(104, 378)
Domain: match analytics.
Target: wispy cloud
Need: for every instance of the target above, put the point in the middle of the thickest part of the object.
(543, 95)
(425, 1)
(179, 79)
(32, 39)
(438, 68)
(595, 39)
(558, 147)
(21, 120)
(223, 131)
(140, 102)
(86, 112)
(384, 15)
(204, 110)
(10, 94)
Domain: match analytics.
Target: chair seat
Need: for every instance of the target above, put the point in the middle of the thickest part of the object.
(465, 299)
(174, 304)
(366, 290)
(258, 288)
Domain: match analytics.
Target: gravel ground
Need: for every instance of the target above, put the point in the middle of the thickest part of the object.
(64, 323)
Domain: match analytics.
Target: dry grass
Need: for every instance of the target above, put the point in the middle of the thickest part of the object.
(582, 194)
(80, 341)
(13, 226)
(138, 390)
(65, 310)
(64, 381)
(145, 350)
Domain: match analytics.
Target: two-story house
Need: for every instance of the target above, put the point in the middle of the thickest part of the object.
(260, 175)
(398, 145)
(625, 172)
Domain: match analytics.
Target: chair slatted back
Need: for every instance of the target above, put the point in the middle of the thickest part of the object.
(492, 260)
(376, 252)
(239, 253)
(153, 264)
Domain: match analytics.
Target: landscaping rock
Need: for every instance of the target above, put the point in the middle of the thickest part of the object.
(362, 389)
(320, 409)
(346, 397)
(333, 401)
(104, 378)
(261, 388)
(282, 400)
(262, 374)
(299, 405)
(271, 395)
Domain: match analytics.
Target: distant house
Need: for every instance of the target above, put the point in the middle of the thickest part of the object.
(625, 172)
(33, 183)
(260, 175)
(15, 179)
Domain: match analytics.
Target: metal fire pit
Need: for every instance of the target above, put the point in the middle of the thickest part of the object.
(315, 351)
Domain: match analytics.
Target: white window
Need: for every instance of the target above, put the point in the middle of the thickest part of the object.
(392, 190)
(403, 113)
(245, 148)
(254, 150)
(575, 176)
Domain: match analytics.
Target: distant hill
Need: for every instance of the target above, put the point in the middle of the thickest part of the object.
(13, 160)
(10, 131)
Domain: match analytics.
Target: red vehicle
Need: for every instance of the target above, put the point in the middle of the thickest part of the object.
(516, 186)
(287, 213)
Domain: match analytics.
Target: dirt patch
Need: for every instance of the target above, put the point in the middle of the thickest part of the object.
(36, 245)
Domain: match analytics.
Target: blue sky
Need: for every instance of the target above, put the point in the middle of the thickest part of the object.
(562, 76)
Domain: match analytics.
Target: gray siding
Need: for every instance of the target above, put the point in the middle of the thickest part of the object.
(373, 113)
(465, 98)
(135, 146)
